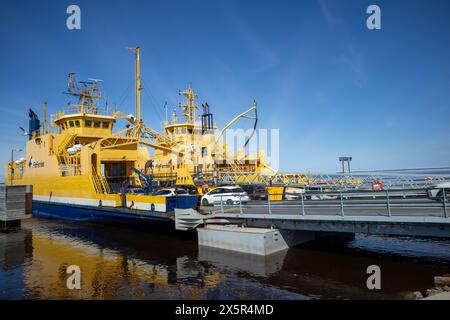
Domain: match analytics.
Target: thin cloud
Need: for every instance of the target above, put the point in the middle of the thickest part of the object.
(326, 13)
(353, 61)
(264, 54)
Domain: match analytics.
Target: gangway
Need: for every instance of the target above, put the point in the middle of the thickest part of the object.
(384, 215)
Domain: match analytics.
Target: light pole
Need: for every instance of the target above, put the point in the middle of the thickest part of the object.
(343, 160)
(12, 162)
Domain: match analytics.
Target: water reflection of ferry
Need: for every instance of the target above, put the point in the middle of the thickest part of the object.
(124, 264)
(114, 265)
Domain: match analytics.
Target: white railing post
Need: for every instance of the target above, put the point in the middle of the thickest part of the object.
(445, 203)
(303, 204)
(221, 204)
(268, 201)
(240, 204)
(342, 204)
(388, 203)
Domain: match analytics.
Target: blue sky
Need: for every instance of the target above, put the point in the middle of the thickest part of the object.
(329, 84)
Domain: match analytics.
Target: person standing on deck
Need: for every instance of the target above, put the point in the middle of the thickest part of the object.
(204, 188)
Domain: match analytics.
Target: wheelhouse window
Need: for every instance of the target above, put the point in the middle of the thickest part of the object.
(77, 123)
(88, 123)
(96, 124)
(105, 125)
(71, 124)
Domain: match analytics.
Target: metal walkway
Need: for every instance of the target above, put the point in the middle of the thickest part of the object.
(353, 181)
(384, 214)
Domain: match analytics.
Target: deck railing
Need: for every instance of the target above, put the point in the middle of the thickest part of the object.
(406, 202)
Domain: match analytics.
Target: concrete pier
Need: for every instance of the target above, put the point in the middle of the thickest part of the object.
(15, 205)
(257, 241)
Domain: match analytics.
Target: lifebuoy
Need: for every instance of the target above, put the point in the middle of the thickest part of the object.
(377, 185)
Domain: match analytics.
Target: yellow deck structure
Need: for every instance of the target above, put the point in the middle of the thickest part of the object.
(80, 159)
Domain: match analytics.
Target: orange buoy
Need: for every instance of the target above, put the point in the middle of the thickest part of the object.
(377, 185)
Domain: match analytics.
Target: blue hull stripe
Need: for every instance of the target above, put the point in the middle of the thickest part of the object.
(107, 215)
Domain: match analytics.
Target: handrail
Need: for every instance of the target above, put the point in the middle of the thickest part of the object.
(100, 185)
(340, 204)
(333, 181)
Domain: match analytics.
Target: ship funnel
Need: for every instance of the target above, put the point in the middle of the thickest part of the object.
(34, 123)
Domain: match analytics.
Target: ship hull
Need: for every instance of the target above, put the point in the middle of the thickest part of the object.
(105, 215)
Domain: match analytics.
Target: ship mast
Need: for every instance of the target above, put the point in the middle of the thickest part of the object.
(189, 106)
(44, 114)
(137, 83)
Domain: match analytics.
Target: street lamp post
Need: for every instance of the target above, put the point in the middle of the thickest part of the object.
(343, 160)
(12, 162)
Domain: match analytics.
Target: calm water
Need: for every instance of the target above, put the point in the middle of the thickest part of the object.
(118, 263)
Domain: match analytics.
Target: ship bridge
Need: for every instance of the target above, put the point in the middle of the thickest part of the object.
(84, 118)
(85, 124)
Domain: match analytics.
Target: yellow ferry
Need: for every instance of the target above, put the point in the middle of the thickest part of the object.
(81, 170)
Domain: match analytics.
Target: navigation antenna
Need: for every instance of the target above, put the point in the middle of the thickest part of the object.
(138, 87)
(189, 106)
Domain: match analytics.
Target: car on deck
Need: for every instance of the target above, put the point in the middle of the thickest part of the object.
(436, 192)
(189, 188)
(256, 192)
(136, 190)
(170, 192)
(291, 193)
(320, 193)
(226, 194)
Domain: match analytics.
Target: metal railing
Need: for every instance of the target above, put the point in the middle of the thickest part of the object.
(346, 181)
(385, 202)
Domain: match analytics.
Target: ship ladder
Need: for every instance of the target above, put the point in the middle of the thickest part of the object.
(100, 184)
(62, 151)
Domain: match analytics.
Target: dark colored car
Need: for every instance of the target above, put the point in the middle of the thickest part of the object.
(256, 192)
(189, 188)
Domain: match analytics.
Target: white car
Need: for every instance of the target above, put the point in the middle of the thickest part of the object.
(323, 197)
(227, 194)
(135, 190)
(170, 192)
(293, 193)
(436, 191)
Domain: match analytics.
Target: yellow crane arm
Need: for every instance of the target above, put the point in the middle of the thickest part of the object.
(242, 115)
